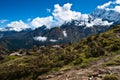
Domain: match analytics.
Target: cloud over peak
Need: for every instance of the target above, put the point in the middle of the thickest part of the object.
(111, 5)
(60, 15)
(64, 13)
(18, 25)
(117, 1)
(38, 22)
(105, 5)
(98, 22)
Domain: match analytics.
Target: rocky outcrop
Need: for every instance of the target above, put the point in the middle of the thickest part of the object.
(21, 52)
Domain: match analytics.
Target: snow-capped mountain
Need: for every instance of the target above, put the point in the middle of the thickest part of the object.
(99, 17)
(109, 15)
(14, 29)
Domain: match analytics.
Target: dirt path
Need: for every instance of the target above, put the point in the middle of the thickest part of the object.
(95, 71)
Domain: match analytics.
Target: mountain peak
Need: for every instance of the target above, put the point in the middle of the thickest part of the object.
(109, 15)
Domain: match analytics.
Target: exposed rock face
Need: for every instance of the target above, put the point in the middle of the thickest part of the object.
(117, 33)
(21, 52)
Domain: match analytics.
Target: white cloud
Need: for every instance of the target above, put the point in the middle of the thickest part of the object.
(64, 13)
(117, 9)
(109, 6)
(84, 17)
(18, 25)
(65, 33)
(53, 40)
(40, 38)
(38, 22)
(101, 22)
(89, 24)
(98, 22)
(105, 5)
(117, 1)
(3, 21)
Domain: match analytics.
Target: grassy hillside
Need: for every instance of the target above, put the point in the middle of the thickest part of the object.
(46, 59)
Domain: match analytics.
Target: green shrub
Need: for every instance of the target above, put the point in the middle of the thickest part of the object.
(94, 52)
(10, 58)
(84, 65)
(110, 63)
(114, 61)
(77, 61)
(110, 77)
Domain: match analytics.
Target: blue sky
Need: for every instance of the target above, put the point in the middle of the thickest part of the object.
(24, 9)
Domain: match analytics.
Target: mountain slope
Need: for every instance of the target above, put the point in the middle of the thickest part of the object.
(109, 15)
(3, 50)
(67, 33)
(44, 59)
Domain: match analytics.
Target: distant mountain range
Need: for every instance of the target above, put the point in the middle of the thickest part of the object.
(99, 21)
